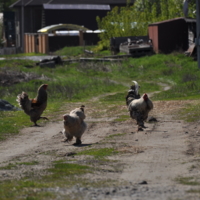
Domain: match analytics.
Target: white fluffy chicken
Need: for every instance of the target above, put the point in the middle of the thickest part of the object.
(139, 107)
(74, 125)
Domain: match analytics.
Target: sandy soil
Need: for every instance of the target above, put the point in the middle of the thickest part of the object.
(149, 162)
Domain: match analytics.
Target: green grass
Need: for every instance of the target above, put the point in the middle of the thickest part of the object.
(187, 181)
(41, 190)
(115, 135)
(194, 191)
(16, 65)
(122, 118)
(190, 113)
(113, 97)
(73, 51)
(9, 126)
(15, 165)
(23, 190)
(61, 173)
(12, 121)
(67, 169)
(22, 55)
(98, 153)
(62, 169)
(78, 51)
(81, 81)
(8, 167)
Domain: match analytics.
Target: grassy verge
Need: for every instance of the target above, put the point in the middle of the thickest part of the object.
(61, 174)
(79, 51)
(80, 82)
(35, 188)
(22, 55)
(70, 84)
(98, 153)
(188, 181)
(191, 113)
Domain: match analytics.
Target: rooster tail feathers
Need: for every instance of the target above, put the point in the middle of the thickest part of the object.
(24, 102)
(136, 87)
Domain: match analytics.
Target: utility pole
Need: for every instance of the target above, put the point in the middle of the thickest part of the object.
(198, 32)
(22, 25)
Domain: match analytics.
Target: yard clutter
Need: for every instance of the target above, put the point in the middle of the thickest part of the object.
(74, 125)
(6, 106)
(51, 62)
(137, 48)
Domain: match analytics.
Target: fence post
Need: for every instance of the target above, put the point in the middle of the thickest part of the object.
(25, 43)
(29, 43)
(47, 43)
(81, 38)
(40, 43)
(43, 43)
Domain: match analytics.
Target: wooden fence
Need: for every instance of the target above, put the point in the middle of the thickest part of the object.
(42, 43)
(36, 43)
(9, 50)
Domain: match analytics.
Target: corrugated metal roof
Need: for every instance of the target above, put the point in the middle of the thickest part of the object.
(29, 3)
(90, 1)
(94, 2)
(174, 19)
(59, 26)
(76, 7)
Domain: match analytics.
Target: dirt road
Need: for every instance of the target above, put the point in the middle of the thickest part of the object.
(150, 164)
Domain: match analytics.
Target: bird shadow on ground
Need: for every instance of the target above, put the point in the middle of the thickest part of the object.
(80, 145)
(36, 126)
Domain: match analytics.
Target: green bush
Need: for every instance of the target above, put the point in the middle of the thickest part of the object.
(133, 20)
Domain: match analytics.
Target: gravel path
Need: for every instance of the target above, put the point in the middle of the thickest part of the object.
(147, 167)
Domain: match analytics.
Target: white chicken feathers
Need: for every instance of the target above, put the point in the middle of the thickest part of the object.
(139, 107)
(142, 105)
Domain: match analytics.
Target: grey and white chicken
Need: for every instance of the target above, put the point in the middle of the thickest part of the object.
(138, 106)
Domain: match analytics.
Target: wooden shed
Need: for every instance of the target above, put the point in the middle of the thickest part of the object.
(171, 35)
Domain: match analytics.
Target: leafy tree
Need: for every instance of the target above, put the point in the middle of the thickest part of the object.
(1, 31)
(4, 5)
(133, 20)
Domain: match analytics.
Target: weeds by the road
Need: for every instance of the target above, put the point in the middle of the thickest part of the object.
(98, 153)
(82, 81)
(106, 84)
(187, 181)
(62, 173)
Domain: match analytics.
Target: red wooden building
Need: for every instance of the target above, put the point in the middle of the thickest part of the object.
(172, 35)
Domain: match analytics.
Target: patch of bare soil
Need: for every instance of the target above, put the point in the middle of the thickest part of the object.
(9, 76)
(148, 164)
